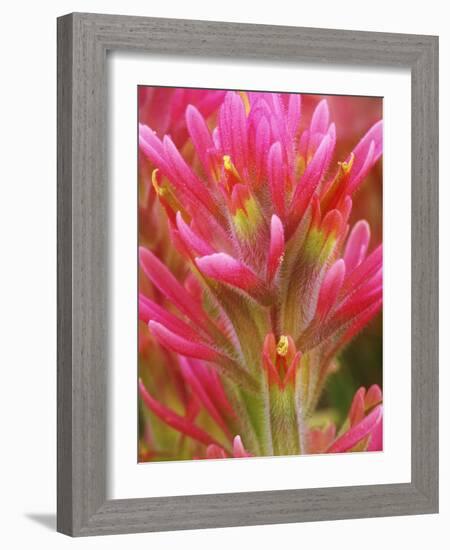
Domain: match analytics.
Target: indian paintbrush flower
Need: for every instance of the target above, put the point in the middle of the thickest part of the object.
(276, 281)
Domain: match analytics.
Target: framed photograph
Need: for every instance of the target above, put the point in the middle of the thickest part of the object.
(247, 274)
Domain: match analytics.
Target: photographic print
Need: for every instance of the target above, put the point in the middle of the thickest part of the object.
(260, 274)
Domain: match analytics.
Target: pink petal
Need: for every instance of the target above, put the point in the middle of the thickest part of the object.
(202, 393)
(303, 144)
(226, 269)
(217, 390)
(365, 270)
(355, 434)
(191, 239)
(185, 177)
(262, 143)
(150, 311)
(201, 137)
(332, 224)
(239, 197)
(233, 130)
(330, 288)
(210, 379)
(320, 118)
(375, 134)
(214, 452)
(332, 135)
(238, 448)
(320, 439)
(190, 190)
(361, 299)
(179, 344)
(356, 248)
(357, 409)
(276, 247)
(210, 101)
(177, 422)
(356, 178)
(278, 130)
(374, 396)
(310, 180)
(293, 114)
(367, 153)
(162, 278)
(361, 321)
(290, 375)
(277, 177)
(376, 437)
(272, 372)
(153, 149)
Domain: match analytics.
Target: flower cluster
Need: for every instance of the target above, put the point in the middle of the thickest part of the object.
(258, 279)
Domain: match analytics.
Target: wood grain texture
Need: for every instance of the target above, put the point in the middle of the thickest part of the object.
(83, 205)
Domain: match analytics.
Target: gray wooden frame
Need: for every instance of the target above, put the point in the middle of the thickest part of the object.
(83, 41)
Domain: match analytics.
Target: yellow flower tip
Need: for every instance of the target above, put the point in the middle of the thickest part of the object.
(230, 167)
(283, 346)
(155, 183)
(347, 166)
(245, 101)
(227, 162)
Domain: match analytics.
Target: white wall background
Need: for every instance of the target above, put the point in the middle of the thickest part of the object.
(28, 272)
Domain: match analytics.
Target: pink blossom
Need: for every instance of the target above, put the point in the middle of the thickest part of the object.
(275, 280)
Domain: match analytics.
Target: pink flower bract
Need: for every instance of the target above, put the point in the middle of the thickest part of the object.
(272, 276)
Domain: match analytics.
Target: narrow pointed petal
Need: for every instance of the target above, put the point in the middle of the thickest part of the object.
(277, 178)
(351, 306)
(367, 269)
(182, 345)
(355, 434)
(174, 420)
(272, 373)
(152, 148)
(356, 178)
(361, 321)
(150, 311)
(191, 239)
(375, 134)
(233, 130)
(185, 177)
(357, 408)
(357, 244)
(320, 439)
(293, 114)
(219, 392)
(320, 118)
(367, 153)
(330, 289)
(374, 396)
(226, 269)
(310, 180)
(346, 208)
(213, 452)
(210, 102)
(330, 151)
(332, 224)
(210, 379)
(202, 394)
(201, 137)
(376, 438)
(292, 370)
(162, 278)
(239, 449)
(262, 144)
(276, 247)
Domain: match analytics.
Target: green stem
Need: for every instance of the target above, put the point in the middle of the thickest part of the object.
(257, 407)
(283, 414)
